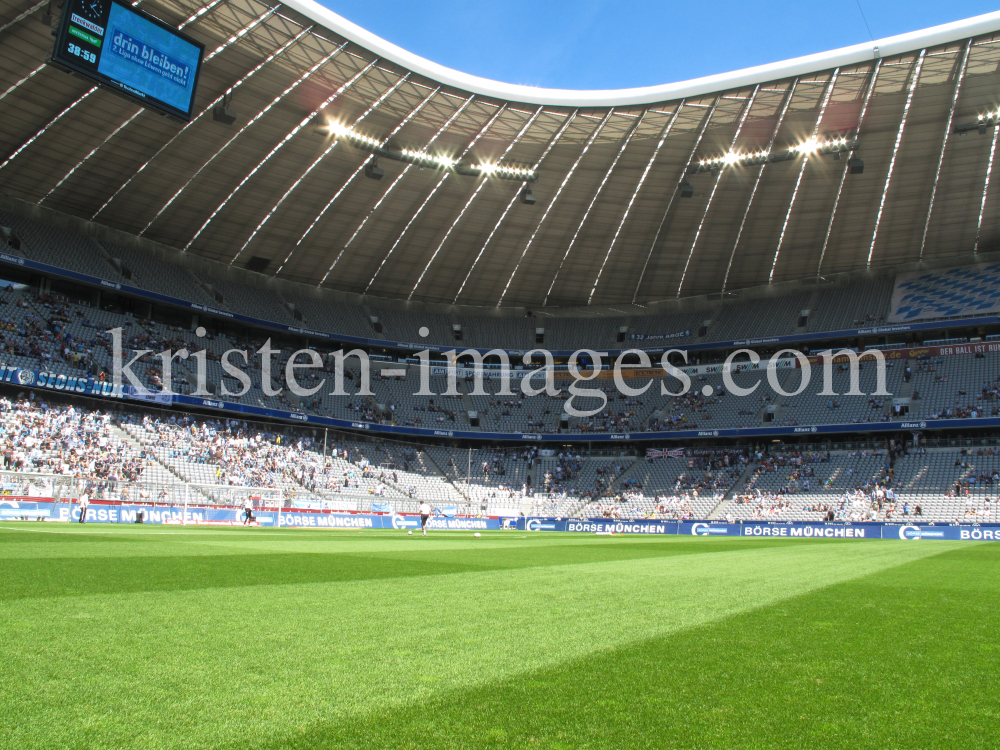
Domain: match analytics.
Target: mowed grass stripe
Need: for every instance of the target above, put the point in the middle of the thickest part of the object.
(76, 568)
(209, 667)
(33, 541)
(902, 658)
(201, 566)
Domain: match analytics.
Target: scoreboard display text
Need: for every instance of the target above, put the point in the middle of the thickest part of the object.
(131, 53)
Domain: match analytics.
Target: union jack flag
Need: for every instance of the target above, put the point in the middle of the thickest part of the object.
(661, 453)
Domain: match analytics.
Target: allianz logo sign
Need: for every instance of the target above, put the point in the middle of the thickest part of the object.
(708, 433)
(531, 437)
(308, 332)
(911, 425)
(360, 425)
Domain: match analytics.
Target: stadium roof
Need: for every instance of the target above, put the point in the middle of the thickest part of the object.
(315, 94)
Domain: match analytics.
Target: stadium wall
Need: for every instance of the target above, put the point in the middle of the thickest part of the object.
(178, 515)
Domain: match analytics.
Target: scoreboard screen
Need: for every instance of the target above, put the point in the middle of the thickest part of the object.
(131, 53)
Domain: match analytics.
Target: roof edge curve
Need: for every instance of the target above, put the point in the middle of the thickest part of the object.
(887, 47)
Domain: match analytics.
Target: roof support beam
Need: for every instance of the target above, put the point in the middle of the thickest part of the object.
(395, 182)
(197, 14)
(24, 80)
(291, 134)
(357, 171)
(79, 100)
(673, 194)
(873, 77)
(406, 229)
(635, 193)
(756, 183)
(234, 38)
(93, 151)
(555, 198)
(241, 131)
(715, 186)
(915, 77)
(480, 134)
(986, 189)
(243, 32)
(472, 197)
(552, 142)
(625, 141)
(333, 143)
(944, 141)
(21, 16)
(802, 170)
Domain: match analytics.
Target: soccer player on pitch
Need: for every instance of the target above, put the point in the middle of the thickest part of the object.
(425, 513)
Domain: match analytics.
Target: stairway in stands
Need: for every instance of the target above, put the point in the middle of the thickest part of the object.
(720, 509)
(155, 471)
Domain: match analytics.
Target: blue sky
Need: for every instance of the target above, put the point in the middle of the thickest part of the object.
(598, 44)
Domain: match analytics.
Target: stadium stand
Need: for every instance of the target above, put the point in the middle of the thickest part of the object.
(160, 457)
(759, 318)
(954, 292)
(486, 332)
(57, 247)
(46, 331)
(63, 334)
(670, 330)
(861, 303)
(951, 387)
(673, 487)
(400, 325)
(327, 315)
(850, 304)
(255, 302)
(570, 334)
(810, 408)
(149, 272)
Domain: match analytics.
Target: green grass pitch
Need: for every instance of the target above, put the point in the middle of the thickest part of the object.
(169, 637)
